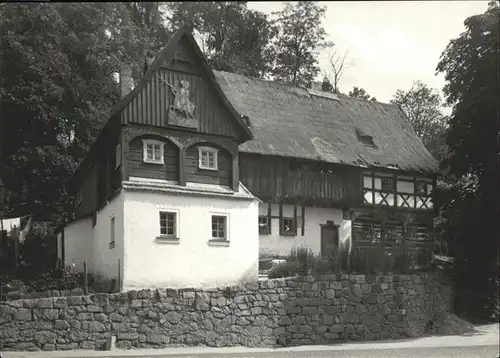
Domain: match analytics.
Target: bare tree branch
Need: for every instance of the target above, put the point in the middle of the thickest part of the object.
(338, 64)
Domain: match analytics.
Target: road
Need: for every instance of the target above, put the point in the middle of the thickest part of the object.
(483, 343)
(443, 352)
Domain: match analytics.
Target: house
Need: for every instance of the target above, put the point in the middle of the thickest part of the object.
(198, 172)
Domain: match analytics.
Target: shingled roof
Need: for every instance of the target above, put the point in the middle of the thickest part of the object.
(297, 122)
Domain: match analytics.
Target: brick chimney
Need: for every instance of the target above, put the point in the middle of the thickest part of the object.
(126, 81)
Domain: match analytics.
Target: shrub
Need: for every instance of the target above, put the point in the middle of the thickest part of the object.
(301, 262)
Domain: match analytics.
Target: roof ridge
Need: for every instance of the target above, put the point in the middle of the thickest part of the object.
(341, 95)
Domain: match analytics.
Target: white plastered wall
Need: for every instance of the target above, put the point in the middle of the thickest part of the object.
(192, 261)
(78, 242)
(276, 245)
(84, 242)
(108, 260)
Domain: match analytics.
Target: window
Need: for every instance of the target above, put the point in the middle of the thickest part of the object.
(112, 233)
(364, 138)
(79, 197)
(152, 151)
(288, 226)
(264, 225)
(168, 224)
(420, 188)
(387, 184)
(219, 227)
(207, 158)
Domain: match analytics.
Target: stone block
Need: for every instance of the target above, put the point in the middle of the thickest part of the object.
(23, 314)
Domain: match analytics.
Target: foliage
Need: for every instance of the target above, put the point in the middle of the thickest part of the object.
(300, 37)
(326, 85)
(358, 92)
(58, 62)
(470, 64)
(234, 38)
(59, 279)
(421, 105)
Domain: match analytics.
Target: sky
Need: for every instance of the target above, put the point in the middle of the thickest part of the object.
(390, 44)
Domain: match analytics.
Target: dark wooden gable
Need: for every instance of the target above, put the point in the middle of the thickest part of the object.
(164, 100)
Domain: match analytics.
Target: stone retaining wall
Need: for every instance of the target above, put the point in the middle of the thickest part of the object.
(284, 312)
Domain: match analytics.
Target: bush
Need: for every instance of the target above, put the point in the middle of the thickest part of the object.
(301, 262)
(59, 279)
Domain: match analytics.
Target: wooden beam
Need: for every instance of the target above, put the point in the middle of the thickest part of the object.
(295, 217)
(236, 181)
(281, 218)
(182, 166)
(269, 216)
(124, 151)
(303, 220)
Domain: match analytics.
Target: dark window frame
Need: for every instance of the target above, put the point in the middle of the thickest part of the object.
(292, 231)
(264, 229)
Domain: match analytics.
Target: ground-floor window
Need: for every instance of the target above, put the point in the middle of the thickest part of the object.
(264, 225)
(168, 224)
(219, 227)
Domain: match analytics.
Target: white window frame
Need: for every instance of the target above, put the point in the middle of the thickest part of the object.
(217, 239)
(211, 150)
(176, 235)
(145, 143)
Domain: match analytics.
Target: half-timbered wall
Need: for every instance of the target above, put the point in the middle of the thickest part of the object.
(397, 191)
(392, 236)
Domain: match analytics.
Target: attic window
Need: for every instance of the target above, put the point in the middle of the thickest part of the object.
(364, 138)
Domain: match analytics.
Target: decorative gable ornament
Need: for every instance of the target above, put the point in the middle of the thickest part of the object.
(181, 112)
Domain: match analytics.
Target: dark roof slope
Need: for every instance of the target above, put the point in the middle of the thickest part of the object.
(296, 122)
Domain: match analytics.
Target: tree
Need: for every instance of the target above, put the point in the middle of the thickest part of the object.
(338, 63)
(57, 84)
(233, 38)
(358, 92)
(300, 37)
(470, 64)
(421, 105)
(326, 85)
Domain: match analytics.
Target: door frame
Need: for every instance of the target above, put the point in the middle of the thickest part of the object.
(330, 224)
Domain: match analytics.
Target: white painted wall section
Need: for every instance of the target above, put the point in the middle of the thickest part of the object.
(192, 261)
(276, 245)
(78, 242)
(108, 260)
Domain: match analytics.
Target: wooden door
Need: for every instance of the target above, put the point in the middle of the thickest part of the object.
(329, 240)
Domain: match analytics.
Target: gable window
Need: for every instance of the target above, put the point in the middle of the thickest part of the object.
(219, 228)
(264, 227)
(288, 226)
(387, 184)
(207, 158)
(168, 224)
(152, 151)
(112, 233)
